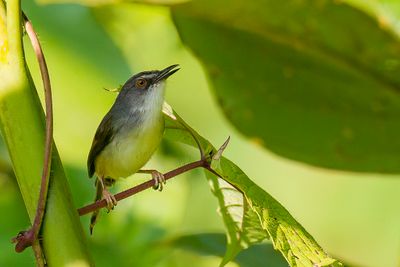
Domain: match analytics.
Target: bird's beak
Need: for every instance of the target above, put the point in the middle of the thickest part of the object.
(165, 73)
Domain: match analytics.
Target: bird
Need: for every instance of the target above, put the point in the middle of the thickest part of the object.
(129, 134)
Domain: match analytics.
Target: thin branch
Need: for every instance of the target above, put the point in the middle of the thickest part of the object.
(49, 124)
(203, 163)
(134, 190)
(29, 237)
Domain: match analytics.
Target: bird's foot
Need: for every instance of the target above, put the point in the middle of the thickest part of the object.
(159, 180)
(110, 199)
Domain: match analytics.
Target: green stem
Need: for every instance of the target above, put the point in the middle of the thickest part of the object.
(23, 129)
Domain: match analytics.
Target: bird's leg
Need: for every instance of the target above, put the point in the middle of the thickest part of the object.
(110, 199)
(158, 177)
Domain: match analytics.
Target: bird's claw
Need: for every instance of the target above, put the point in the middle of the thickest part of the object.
(159, 180)
(110, 199)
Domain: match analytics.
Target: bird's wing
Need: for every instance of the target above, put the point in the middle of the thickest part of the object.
(102, 138)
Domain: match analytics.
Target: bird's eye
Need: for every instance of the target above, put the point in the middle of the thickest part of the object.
(141, 83)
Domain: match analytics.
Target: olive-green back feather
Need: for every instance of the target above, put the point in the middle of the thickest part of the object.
(102, 138)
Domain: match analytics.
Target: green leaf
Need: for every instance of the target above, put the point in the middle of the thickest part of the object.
(288, 236)
(314, 81)
(262, 255)
(250, 214)
(242, 223)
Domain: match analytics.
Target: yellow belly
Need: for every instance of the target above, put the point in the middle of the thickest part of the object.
(128, 152)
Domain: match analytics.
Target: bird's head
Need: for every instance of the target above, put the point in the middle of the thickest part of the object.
(146, 88)
(146, 81)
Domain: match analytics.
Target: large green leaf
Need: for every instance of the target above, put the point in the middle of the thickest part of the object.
(255, 214)
(315, 81)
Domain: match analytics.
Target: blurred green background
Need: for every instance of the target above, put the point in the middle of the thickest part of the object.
(355, 217)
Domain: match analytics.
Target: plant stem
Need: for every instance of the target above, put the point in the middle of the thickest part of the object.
(23, 129)
(29, 237)
(49, 125)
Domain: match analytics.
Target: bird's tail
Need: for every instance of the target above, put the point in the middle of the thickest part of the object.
(95, 214)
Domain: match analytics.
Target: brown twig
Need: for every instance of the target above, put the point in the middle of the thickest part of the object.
(143, 186)
(204, 162)
(28, 238)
